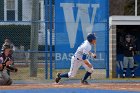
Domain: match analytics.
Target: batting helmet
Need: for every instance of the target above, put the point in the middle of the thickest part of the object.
(91, 37)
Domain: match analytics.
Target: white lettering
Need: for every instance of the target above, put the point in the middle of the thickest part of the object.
(67, 57)
(70, 55)
(100, 57)
(82, 15)
(64, 57)
(57, 56)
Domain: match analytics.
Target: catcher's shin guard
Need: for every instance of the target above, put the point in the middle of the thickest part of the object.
(9, 82)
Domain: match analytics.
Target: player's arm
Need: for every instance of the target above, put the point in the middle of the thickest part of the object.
(94, 48)
(9, 63)
(86, 61)
(1, 66)
(92, 54)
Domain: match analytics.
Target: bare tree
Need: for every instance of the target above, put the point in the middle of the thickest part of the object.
(123, 7)
(117, 7)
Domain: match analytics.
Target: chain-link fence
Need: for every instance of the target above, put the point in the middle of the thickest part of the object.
(30, 26)
(23, 23)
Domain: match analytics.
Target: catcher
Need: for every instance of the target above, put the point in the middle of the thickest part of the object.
(6, 62)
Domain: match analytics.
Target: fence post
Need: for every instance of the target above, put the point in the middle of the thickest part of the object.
(34, 38)
(46, 39)
(51, 23)
(107, 40)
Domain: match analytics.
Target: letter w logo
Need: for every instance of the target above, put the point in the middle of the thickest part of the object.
(82, 15)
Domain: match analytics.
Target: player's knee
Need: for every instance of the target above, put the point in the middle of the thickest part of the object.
(9, 82)
(91, 70)
(71, 75)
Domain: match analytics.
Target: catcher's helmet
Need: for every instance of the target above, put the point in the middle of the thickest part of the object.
(91, 37)
(6, 46)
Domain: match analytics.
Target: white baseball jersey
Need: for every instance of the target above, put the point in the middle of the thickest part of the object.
(84, 48)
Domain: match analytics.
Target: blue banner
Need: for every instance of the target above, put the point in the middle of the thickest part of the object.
(74, 19)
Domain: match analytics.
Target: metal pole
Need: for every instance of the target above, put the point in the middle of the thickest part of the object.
(136, 5)
(51, 22)
(107, 41)
(46, 39)
(34, 38)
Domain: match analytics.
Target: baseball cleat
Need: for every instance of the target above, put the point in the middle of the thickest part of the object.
(133, 76)
(84, 82)
(124, 76)
(58, 78)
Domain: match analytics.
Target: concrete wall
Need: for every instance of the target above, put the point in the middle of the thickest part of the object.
(112, 51)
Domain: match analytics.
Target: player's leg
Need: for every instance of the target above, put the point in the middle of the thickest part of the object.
(125, 65)
(1, 79)
(131, 65)
(89, 71)
(5, 78)
(75, 64)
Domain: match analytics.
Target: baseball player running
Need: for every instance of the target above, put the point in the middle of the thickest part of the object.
(80, 59)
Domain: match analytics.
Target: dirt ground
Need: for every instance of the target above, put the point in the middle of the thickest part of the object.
(106, 86)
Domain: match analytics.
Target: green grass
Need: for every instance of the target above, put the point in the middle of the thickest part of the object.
(24, 74)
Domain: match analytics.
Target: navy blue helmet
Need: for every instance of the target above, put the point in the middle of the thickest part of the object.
(91, 37)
